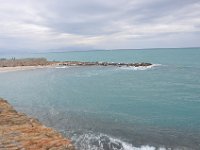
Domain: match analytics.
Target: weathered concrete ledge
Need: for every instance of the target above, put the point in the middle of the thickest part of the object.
(18, 131)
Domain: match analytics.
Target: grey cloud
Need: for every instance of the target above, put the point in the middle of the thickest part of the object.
(150, 11)
(86, 17)
(94, 18)
(50, 24)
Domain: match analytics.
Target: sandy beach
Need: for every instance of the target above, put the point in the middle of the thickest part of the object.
(8, 65)
(21, 68)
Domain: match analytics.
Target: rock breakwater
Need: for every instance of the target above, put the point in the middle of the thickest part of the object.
(79, 63)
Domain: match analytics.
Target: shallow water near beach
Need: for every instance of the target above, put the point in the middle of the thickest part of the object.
(115, 108)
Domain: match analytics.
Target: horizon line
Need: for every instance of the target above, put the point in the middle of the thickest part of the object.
(89, 50)
(113, 49)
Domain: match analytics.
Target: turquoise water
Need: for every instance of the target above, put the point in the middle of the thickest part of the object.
(108, 108)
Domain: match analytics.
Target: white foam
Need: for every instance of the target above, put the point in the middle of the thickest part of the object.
(141, 67)
(61, 67)
(86, 142)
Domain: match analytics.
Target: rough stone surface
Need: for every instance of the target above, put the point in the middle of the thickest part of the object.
(20, 132)
(79, 63)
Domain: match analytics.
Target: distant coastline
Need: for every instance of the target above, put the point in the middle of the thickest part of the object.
(150, 48)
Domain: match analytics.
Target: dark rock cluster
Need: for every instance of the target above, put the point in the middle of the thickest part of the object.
(79, 63)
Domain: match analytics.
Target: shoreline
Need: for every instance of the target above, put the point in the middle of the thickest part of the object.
(40, 63)
(22, 68)
(19, 131)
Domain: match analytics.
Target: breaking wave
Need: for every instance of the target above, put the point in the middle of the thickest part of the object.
(141, 67)
(61, 67)
(91, 141)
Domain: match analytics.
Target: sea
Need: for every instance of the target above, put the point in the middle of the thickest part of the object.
(114, 108)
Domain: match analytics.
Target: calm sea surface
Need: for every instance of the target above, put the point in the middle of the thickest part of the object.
(114, 108)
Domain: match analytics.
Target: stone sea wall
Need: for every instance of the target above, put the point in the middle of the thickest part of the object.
(20, 132)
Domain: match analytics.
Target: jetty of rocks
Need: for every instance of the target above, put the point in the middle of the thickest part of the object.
(79, 63)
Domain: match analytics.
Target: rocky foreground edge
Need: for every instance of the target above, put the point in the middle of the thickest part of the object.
(20, 132)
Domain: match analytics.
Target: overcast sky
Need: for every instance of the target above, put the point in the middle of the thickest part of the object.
(58, 25)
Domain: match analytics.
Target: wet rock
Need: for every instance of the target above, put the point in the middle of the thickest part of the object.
(116, 145)
(105, 141)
